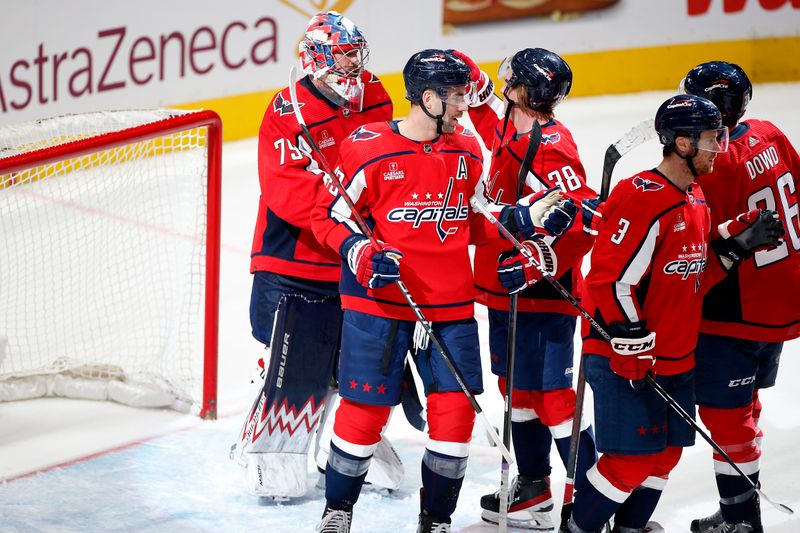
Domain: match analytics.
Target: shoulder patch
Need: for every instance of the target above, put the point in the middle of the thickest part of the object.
(363, 134)
(284, 106)
(467, 132)
(552, 138)
(646, 185)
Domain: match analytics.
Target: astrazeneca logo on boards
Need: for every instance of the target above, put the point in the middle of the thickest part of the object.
(117, 58)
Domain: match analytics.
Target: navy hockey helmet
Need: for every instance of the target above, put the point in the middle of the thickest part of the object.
(687, 115)
(546, 75)
(725, 84)
(434, 69)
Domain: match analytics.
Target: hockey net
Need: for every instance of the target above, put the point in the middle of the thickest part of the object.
(109, 258)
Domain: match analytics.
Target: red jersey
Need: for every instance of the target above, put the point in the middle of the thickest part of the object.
(556, 164)
(290, 176)
(759, 300)
(648, 263)
(417, 196)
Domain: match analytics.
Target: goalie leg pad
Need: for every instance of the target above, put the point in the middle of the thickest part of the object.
(291, 403)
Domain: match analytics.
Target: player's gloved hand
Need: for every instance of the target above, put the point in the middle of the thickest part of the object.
(516, 272)
(421, 339)
(373, 268)
(592, 214)
(481, 86)
(633, 344)
(744, 234)
(546, 210)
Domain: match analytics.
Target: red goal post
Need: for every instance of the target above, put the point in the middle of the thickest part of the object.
(110, 228)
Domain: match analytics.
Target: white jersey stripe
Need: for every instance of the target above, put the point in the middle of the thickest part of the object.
(634, 272)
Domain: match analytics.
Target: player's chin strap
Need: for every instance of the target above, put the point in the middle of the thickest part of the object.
(509, 106)
(438, 118)
(690, 158)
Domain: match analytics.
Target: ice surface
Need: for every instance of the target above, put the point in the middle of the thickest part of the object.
(81, 466)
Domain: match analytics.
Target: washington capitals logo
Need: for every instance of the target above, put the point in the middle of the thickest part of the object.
(553, 138)
(438, 214)
(363, 134)
(284, 107)
(646, 185)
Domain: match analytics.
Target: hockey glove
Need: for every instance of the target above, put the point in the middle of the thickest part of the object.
(481, 86)
(517, 272)
(744, 234)
(548, 211)
(632, 343)
(373, 268)
(591, 212)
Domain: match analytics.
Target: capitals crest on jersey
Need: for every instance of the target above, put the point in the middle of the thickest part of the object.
(551, 138)
(363, 134)
(646, 185)
(419, 212)
(283, 106)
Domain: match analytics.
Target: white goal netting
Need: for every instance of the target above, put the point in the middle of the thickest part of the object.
(103, 258)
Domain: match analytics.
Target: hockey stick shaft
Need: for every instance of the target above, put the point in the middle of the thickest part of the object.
(689, 420)
(603, 333)
(631, 139)
(534, 140)
(403, 289)
(642, 132)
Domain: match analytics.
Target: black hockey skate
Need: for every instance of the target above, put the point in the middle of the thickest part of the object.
(335, 521)
(530, 503)
(431, 524)
(716, 524)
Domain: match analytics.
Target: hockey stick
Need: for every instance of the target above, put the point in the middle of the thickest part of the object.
(409, 400)
(359, 220)
(642, 132)
(534, 141)
(635, 136)
(649, 379)
(689, 420)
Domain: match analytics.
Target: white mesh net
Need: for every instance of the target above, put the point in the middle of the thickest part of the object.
(102, 263)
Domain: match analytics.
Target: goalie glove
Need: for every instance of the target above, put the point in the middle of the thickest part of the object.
(744, 234)
(547, 210)
(373, 268)
(632, 344)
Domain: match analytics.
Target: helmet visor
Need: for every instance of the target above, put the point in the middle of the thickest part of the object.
(505, 68)
(713, 140)
(454, 95)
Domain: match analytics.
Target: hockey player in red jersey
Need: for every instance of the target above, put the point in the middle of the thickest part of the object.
(748, 316)
(295, 282)
(543, 400)
(412, 180)
(645, 287)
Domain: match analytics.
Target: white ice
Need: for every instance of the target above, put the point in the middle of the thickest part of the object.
(80, 466)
